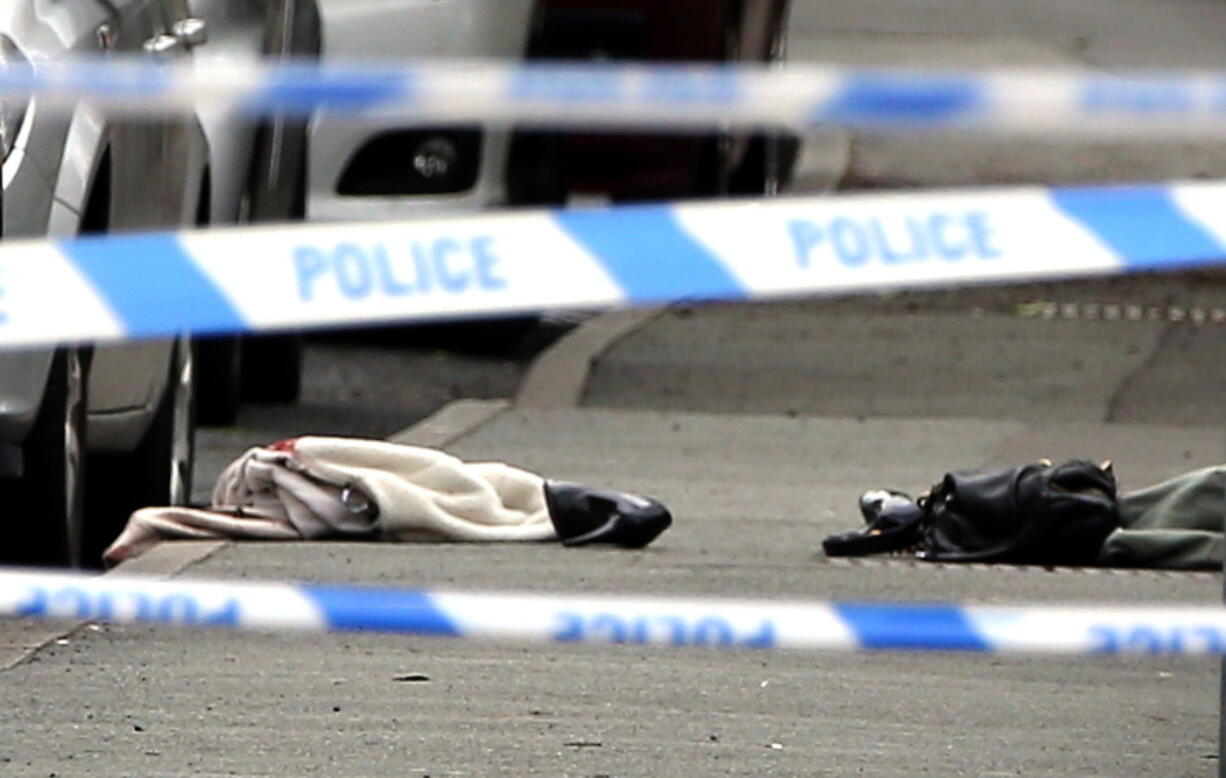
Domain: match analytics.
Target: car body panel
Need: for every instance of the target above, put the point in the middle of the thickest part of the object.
(251, 30)
(48, 178)
(236, 34)
(385, 29)
(29, 192)
(424, 28)
(156, 181)
(78, 148)
(23, 375)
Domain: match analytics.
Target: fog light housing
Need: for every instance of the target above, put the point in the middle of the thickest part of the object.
(434, 159)
(414, 162)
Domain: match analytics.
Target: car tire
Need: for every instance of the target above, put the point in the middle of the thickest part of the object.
(218, 360)
(157, 472)
(48, 502)
(272, 368)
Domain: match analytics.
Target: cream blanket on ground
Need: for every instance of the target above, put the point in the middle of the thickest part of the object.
(315, 487)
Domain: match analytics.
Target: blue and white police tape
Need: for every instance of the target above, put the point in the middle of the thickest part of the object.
(326, 275)
(745, 624)
(584, 95)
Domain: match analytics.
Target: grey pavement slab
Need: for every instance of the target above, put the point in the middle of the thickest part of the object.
(1184, 382)
(1156, 294)
(871, 47)
(753, 495)
(879, 161)
(840, 361)
(311, 705)
(1103, 33)
(1094, 34)
(787, 482)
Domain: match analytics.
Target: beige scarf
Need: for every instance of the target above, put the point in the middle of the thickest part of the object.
(315, 487)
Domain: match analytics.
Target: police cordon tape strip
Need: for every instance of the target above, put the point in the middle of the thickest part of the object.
(602, 95)
(326, 275)
(745, 624)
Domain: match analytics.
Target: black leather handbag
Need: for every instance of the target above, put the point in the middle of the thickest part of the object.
(1038, 513)
(1034, 514)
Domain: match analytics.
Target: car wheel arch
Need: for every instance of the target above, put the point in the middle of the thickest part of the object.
(96, 206)
(86, 146)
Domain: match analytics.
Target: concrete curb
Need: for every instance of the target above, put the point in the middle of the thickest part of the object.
(448, 424)
(558, 378)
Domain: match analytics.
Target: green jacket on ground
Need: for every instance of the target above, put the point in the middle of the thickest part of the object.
(1175, 525)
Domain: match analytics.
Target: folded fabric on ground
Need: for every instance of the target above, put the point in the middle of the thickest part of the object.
(1175, 525)
(323, 487)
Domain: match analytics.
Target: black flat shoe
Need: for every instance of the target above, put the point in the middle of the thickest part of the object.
(893, 523)
(582, 515)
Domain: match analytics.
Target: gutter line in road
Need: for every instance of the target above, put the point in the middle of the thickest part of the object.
(165, 560)
(1121, 391)
(559, 377)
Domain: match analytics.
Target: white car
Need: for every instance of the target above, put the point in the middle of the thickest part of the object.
(92, 432)
(364, 171)
(400, 169)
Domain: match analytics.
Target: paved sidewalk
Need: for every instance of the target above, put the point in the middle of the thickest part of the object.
(754, 486)
(925, 359)
(753, 495)
(1093, 34)
(754, 489)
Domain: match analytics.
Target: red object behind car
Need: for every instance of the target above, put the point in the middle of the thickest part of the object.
(550, 167)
